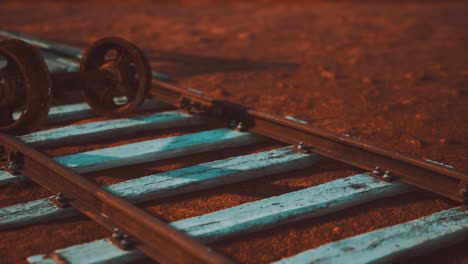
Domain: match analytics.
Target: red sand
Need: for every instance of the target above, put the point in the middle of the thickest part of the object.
(394, 75)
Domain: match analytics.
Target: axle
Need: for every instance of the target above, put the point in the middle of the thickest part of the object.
(77, 81)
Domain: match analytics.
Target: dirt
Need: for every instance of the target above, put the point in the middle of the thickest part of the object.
(393, 74)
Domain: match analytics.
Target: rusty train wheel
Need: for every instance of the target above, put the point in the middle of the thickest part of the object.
(129, 72)
(25, 87)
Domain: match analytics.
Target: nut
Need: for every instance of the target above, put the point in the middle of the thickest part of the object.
(301, 146)
(60, 198)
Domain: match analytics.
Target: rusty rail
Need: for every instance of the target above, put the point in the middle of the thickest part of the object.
(155, 238)
(416, 172)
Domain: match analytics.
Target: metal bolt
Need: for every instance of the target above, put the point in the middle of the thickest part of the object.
(13, 166)
(376, 171)
(184, 102)
(387, 176)
(117, 234)
(240, 126)
(126, 242)
(301, 146)
(60, 198)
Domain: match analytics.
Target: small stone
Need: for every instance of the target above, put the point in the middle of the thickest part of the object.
(414, 141)
(409, 76)
(366, 80)
(447, 140)
(428, 77)
(282, 85)
(246, 35)
(327, 74)
(336, 229)
(422, 117)
(220, 92)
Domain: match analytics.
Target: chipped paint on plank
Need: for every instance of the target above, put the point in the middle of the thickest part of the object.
(95, 131)
(166, 184)
(150, 150)
(392, 243)
(311, 202)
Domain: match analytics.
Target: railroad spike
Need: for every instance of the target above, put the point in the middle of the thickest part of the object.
(388, 176)
(127, 242)
(12, 162)
(377, 171)
(240, 127)
(301, 147)
(117, 234)
(464, 194)
(60, 200)
(13, 166)
(122, 240)
(114, 78)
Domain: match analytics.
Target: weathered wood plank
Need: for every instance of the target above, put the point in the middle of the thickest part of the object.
(95, 131)
(157, 149)
(390, 244)
(151, 150)
(74, 112)
(171, 183)
(311, 202)
(96, 252)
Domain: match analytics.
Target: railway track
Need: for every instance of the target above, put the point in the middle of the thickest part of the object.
(136, 234)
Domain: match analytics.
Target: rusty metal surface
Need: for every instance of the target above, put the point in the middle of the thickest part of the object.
(155, 238)
(114, 78)
(130, 73)
(25, 87)
(416, 172)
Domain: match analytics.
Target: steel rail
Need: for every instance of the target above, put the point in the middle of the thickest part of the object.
(422, 174)
(152, 236)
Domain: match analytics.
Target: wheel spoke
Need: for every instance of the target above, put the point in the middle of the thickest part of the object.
(106, 96)
(122, 58)
(6, 116)
(10, 71)
(3, 63)
(3, 71)
(129, 80)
